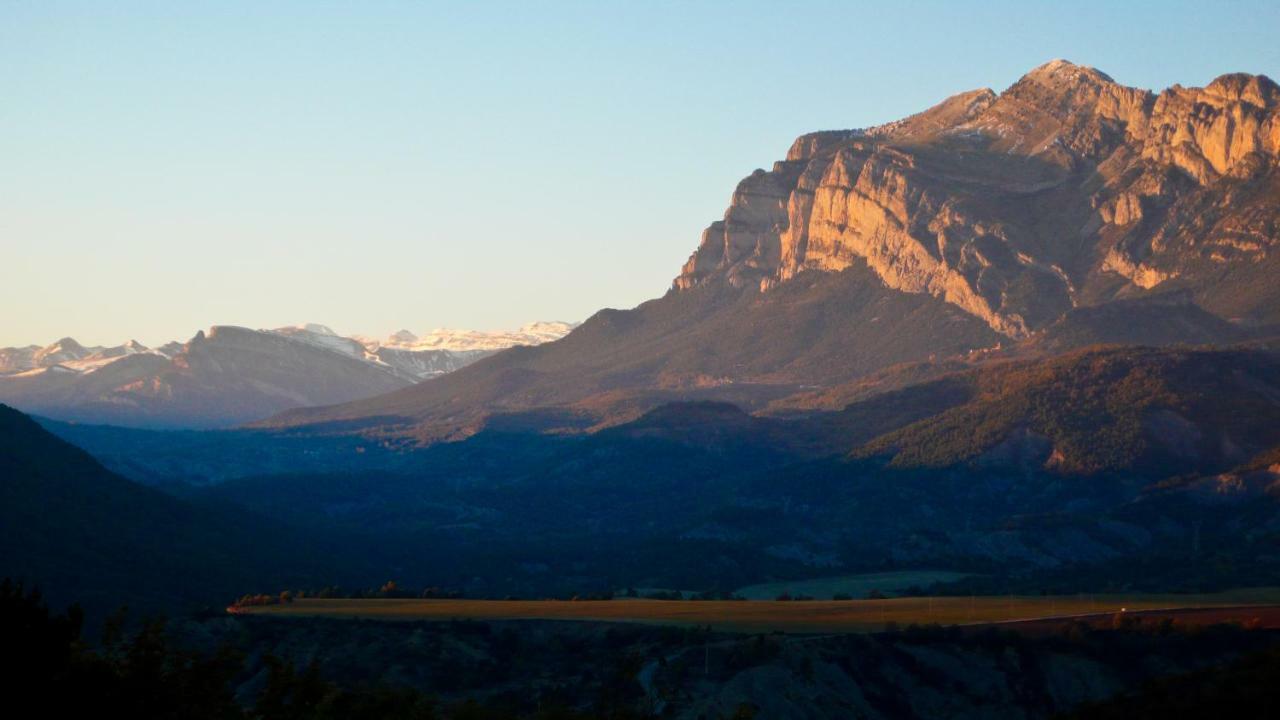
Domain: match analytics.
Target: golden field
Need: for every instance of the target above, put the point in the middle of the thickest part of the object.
(767, 615)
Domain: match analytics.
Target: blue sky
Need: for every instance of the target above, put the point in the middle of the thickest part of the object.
(167, 166)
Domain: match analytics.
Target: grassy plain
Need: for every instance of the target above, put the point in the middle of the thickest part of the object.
(817, 616)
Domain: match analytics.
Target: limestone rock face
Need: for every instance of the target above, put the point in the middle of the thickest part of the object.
(1066, 189)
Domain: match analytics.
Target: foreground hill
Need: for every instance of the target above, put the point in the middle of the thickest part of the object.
(82, 533)
(1067, 209)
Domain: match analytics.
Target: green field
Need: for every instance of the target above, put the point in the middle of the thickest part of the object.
(856, 586)
(766, 615)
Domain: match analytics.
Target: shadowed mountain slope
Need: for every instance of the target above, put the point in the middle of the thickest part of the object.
(80, 532)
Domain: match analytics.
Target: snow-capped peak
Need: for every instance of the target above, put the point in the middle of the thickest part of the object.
(402, 337)
(322, 336)
(313, 328)
(534, 333)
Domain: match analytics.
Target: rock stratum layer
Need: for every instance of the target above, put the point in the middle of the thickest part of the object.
(1065, 190)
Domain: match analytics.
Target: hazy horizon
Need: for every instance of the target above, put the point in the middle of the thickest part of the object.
(417, 167)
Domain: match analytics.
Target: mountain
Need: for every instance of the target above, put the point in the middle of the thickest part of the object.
(475, 340)
(228, 376)
(1064, 211)
(1065, 190)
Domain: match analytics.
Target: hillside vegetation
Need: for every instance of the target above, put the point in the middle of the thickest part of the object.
(1140, 410)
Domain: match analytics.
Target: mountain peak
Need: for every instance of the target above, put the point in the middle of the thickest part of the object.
(1060, 72)
(402, 337)
(1257, 90)
(317, 328)
(66, 344)
(64, 350)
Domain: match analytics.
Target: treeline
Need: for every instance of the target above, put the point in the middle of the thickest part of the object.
(677, 595)
(392, 590)
(144, 673)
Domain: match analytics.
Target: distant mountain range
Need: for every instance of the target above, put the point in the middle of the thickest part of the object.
(232, 375)
(1065, 211)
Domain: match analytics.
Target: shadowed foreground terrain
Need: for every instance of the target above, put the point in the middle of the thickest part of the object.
(235, 666)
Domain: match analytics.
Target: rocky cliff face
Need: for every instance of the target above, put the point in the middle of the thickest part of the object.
(1065, 190)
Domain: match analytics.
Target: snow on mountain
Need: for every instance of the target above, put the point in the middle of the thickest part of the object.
(64, 350)
(440, 351)
(17, 359)
(66, 354)
(322, 336)
(402, 338)
(98, 357)
(423, 364)
(534, 333)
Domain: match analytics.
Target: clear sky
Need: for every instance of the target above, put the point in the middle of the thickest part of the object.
(377, 165)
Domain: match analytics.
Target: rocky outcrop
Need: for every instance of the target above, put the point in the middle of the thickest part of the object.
(1020, 206)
